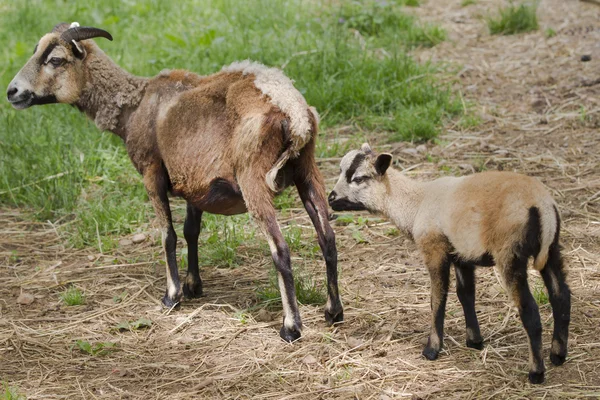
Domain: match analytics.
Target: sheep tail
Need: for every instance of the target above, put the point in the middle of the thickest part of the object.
(295, 140)
(549, 237)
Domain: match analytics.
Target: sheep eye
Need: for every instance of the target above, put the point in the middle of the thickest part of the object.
(360, 179)
(56, 61)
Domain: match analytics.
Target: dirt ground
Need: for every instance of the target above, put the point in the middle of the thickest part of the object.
(538, 103)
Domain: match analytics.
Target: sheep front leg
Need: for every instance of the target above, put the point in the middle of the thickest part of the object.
(437, 259)
(156, 183)
(192, 286)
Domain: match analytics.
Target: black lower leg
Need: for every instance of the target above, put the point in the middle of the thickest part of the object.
(192, 286)
(530, 317)
(465, 289)
(316, 207)
(560, 300)
(292, 324)
(440, 277)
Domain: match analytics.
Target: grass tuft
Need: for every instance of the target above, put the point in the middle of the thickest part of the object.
(307, 290)
(9, 393)
(514, 19)
(73, 296)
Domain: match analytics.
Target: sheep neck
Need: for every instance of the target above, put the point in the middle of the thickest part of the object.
(110, 94)
(402, 199)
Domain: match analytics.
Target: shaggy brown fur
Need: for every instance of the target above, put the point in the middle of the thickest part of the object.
(227, 143)
(499, 218)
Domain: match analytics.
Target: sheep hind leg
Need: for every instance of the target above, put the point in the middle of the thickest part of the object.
(156, 184)
(312, 194)
(259, 202)
(560, 299)
(515, 276)
(465, 289)
(192, 285)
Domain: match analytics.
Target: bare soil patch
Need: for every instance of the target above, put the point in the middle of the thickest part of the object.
(540, 115)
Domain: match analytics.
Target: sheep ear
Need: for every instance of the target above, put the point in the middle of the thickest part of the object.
(382, 163)
(366, 148)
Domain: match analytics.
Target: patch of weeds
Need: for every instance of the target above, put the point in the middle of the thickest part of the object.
(242, 317)
(120, 297)
(141, 323)
(73, 296)
(466, 3)
(514, 19)
(348, 219)
(583, 116)
(285, 200)
(469, 121)
(550, 33)
(225, 235)
(392, 232)
(540, 295)
(412, 3)
(307, 290)
(10, 393)
(97, 349)
(358, 237)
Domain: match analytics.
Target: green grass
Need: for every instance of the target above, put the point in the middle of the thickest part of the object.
(9, 393)
(514, 19)
(96, 349)
(349, 60)
(539, 294)
(307, 290)
(466, 3)
(73, 296)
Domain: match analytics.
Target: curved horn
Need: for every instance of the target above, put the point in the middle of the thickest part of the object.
(83, 33)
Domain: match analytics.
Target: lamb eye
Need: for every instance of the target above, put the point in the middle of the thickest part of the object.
(56, 61)
(359, 179)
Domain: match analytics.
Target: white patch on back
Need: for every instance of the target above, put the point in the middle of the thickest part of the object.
(282, 93)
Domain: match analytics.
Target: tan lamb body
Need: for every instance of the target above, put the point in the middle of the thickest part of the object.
(227, 143)
(485, 219)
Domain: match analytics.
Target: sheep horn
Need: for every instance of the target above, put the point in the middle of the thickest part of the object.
(84, 32)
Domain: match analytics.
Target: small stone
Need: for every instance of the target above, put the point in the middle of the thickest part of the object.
(354, 342)
(25, 299)
(125, 242)
(263, 316)
(421, 148)
(410, 151)
(309, 359)
(586, 57)
(138, 238)
(91, 258)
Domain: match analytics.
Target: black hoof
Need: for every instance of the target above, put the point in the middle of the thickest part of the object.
(289, 334)
(430, 353)
(332, 317)
(557, 359)
(475, 345)
(191, 289)
(536, 377)
(170, 303)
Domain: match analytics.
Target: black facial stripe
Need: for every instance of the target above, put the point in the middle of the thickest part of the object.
(35, 50)
(47, 52)
(360, 157)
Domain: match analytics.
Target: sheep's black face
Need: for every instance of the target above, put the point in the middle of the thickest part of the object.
(360, 183)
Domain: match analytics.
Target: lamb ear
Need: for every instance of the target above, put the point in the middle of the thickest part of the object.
(366, 148)
(382, 163)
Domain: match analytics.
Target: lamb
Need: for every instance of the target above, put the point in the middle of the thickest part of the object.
(490, 218)
(227, 143)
